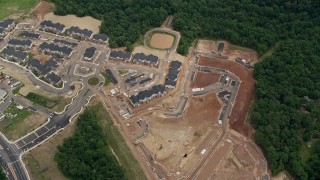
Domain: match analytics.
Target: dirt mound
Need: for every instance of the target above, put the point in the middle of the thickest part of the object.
(43, 8)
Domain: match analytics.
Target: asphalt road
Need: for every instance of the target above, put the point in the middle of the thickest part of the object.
(11, 152)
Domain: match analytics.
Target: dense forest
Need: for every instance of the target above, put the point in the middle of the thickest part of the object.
(286, 112)
(86, 155)
(2, 175)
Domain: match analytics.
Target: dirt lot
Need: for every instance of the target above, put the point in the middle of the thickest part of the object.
(39, 56)
(43, 8)
(207, 46)
(231, 50)
(161, 41)
(245, 93)
(203, 79)
(170, 138)
(232, 159)
(72, 20)
(40, 161)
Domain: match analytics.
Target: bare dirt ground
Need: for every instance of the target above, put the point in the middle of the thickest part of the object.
(43, 8)
(282, 176)
(168, 22)
(170, 138)
(27, 125)
(86, 22)
(245, 93)
(231, 50)
(203, 79)
(38, 55)
(40, 161)
(161, 41)
(232, 159)
(207, 46)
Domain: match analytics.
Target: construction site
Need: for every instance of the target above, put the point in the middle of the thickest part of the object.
(198, 130)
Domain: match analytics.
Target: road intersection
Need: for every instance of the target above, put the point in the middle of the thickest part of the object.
(11, 152)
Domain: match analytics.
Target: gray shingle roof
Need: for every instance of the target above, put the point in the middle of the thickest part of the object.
(89, 52)
(77, 30)
(40, 68)
(20, 42)
(32, 35)
(149, 58)
(6, 23)
(53, 25)
(173, 73)
(120, 55)
(54, 78)
(100, 37)
(146, 94)
(2, 30)
(67, 43)
(55, 48)
(52, 62)
(16, 54)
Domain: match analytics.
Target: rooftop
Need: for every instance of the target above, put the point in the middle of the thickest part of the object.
(32, 35)
(89, 52)
(100, 37)
(54, 78)
(142, 57)
(120, 55)
(55, 48)
(67, 43)
(51, 24)
(42, 69)
(52, 62)
(172, 75)
(20, 42)
(77, 30)
(6, 23)
(12, 52)
(142, 95)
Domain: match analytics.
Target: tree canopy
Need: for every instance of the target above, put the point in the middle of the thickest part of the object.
(286, 111)
(86, 154)
(2, 175)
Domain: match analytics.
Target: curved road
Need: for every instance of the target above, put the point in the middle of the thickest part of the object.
(11, 152)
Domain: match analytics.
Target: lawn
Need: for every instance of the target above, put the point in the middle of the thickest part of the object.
(107, 79)
(9, 7)
(13, 118)
(122, 71)
(119, 145)
(93, 81)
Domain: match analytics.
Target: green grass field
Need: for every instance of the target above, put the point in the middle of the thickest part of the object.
(107, 78)
(13, 116)
(119, 145)
(9, 7)
(93, 81)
